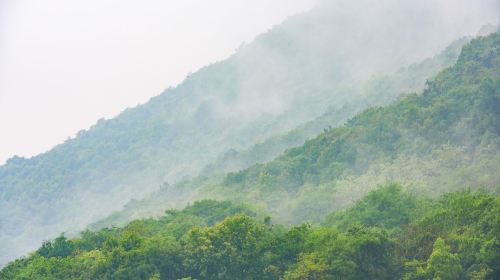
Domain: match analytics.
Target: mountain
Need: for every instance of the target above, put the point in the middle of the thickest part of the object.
(294, 73)
(437, 141)
(376, 92)
(444, 139)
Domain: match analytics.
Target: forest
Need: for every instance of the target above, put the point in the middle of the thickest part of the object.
(443, 139)
(285, 219)
(389, 234)
(344, 142)
(313, 71)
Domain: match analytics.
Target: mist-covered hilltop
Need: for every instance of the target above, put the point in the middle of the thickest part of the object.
(441, 140)
(376, 92)
(314, 62)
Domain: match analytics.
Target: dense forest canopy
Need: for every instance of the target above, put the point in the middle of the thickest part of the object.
(314, 70)
(440, 140)
(389, 234)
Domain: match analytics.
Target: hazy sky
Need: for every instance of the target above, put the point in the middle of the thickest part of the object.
(65, 64)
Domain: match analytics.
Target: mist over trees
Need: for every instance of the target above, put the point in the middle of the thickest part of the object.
(227, 133)
(390, 233)
(441, 140)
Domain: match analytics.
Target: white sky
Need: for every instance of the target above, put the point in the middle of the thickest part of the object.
(64, 64)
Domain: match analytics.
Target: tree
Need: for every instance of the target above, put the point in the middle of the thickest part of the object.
(442, 265)
(60, 247)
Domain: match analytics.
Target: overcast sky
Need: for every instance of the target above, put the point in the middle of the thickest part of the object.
(65, 64)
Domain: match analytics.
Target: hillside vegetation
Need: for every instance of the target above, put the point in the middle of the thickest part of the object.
(442, 222)
(376, 92)
(313, 63)
(388, 234)
(441, 140)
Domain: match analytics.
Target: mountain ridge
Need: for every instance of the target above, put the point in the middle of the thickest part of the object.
(445, 138)
(286, 77)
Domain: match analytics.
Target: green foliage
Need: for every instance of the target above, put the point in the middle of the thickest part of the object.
(234, 249)
(176, 134)
(439, 141)
(389, 207)
(360, 253)
(443, 139)
(469, 223)
(441, 265)
(61, 247)
(454, 237)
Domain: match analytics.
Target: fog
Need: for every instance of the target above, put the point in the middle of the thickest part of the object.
(289, 75)
(357, 44)
(65, 64)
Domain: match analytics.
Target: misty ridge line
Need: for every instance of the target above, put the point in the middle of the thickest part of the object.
(213, 184)
(122, 38)
(293, 67)
(446, 133)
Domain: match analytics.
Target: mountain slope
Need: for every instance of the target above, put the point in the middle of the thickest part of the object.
(445, 138)
(454, 120)
(286, 77)
(377, 92)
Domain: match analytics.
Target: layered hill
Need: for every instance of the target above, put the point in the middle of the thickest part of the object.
(376, 92)
(440, 140)
(294, 73)
(436, 141)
